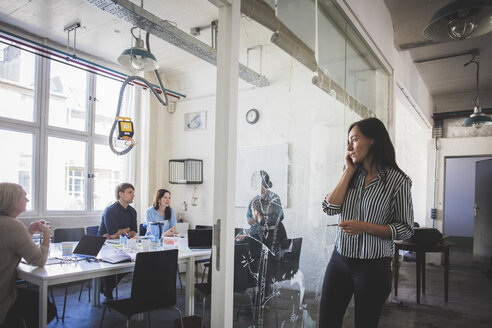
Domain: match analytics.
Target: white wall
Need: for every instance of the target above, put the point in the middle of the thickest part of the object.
(411, 136)
(376, 20)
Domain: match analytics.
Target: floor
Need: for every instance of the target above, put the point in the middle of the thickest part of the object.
(470, 303)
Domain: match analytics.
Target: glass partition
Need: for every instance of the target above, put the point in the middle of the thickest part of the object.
(291, 158)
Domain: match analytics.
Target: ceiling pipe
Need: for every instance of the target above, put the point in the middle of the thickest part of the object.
(286, 40)
(160, 28)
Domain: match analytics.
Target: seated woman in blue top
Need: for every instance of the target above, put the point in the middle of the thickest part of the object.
(162, 211)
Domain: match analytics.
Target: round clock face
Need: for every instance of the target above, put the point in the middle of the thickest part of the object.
(252, 116)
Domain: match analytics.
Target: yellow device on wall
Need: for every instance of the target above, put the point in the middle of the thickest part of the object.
(125, 128)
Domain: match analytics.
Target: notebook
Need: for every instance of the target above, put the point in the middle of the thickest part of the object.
(89, 246)
(115, 256)
(199, 238)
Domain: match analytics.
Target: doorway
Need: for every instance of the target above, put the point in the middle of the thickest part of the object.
(459, 198)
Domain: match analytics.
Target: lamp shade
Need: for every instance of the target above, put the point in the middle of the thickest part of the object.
(460, 20)
(138, 59)
(477, 119)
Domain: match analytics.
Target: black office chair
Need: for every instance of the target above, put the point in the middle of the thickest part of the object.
(205, 289)
(142, 229)
(242, 278)
(92, 230)
(205, 262)
(285, 264)
(203, 227)
(153, 285)
(68, 234)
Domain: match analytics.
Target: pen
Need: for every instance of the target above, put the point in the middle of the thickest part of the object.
(332, 225)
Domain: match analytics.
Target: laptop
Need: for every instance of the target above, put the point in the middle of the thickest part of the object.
(89, 246)
(199, 238)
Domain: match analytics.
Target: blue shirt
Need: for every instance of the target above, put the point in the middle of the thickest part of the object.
(152, 216)
(116, 217)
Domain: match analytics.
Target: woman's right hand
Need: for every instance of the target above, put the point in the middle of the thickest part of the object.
(349, 164)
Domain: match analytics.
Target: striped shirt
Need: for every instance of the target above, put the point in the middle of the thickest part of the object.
(385, 200)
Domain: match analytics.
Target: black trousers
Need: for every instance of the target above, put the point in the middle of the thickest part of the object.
(26, 307)
(109, 283)
(368, 280)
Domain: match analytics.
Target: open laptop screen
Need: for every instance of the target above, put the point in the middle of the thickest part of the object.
(89, 246)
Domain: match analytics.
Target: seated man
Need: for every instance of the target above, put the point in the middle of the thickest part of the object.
(118, 219)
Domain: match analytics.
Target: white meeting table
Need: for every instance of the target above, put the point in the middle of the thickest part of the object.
(55, 274)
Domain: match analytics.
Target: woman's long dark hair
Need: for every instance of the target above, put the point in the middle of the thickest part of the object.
(157, 198)
(382, 152)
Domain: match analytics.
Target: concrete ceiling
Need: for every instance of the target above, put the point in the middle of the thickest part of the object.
(451, 85)
(103, 35)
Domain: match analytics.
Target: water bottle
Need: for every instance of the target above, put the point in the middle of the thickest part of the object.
(123, 241)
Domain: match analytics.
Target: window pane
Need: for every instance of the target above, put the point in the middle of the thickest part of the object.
(107, 94)
(19, 166)
(66, 175)
(109, 170)
(16, 83)
(68, 97)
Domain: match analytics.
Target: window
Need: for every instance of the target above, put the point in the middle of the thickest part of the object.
(76, 172)
(17, 83)
(17, 163)
(68, 97)
(106, 103)
(65, 189)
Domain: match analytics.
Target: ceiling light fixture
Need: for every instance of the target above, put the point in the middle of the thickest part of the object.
(477, 119)
(460, 20)
(137, 58)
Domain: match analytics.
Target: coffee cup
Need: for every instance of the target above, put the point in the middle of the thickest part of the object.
(67, 248)
(145, 245)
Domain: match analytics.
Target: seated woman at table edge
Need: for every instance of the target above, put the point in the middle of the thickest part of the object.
(120, 218)
(161, 210)
(16, 243)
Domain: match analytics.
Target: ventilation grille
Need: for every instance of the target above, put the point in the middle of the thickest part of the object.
(437, 129)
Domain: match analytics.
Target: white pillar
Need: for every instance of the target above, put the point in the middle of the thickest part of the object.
(225, 163)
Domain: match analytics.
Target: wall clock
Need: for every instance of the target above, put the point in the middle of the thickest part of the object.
(252, 116)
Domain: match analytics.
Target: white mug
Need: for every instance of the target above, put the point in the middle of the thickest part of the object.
(132, 244)
(67, 248)
(145, 245)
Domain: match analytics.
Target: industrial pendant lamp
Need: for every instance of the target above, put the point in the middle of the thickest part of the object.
(477, 119)
(137, 58)
(460, 20)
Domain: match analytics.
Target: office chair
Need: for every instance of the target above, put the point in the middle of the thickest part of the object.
(205, 262)
(68, 234)
(142, 229)
(153, 286)
(285, 264)
(242, 278)
(91, 230)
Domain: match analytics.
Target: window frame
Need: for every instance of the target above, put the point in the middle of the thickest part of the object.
(41, 131)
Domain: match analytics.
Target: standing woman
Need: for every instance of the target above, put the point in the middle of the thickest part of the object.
(16, 243)
(375, 205)
(161, 210)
